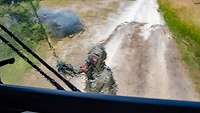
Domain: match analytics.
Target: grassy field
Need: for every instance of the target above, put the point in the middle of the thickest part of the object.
(182, 17)
(28, 32)
(13, 74)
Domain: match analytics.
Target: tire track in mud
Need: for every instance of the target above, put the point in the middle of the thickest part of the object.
(120, 65)
(148, 66)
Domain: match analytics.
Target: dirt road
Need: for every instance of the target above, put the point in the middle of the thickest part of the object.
(144, 57)
(141, 53)
(148, 67)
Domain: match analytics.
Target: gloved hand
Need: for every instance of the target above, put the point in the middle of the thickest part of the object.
(84, 68)
(65, 69)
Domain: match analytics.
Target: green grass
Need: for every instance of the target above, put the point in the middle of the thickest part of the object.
(13, 74)
(187, 35)
(28, 32)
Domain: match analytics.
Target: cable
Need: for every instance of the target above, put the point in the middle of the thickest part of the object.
(44, 31)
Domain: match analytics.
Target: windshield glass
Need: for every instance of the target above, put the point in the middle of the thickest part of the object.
(142, 48)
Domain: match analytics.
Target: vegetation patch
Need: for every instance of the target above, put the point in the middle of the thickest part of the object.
(187, 35)
(19, 18)
(13, 74)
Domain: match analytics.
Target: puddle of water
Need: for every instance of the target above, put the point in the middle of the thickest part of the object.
(141, 11)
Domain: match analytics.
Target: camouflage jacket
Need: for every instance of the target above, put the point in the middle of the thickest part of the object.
(98, 81)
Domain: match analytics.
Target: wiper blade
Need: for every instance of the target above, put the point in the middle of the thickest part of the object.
(71, 86)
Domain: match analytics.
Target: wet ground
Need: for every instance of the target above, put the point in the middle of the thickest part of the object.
(141, 53)
(148, 67)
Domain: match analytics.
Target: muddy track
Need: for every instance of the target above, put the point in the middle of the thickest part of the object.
(148, 67)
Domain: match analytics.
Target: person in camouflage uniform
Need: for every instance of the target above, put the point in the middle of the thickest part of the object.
(99, 76)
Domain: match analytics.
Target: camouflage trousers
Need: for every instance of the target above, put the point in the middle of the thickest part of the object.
(94, 87)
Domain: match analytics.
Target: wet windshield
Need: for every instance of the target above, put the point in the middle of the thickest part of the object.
(116, 47)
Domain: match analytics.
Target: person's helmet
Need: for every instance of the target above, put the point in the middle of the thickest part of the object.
(97, 55)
